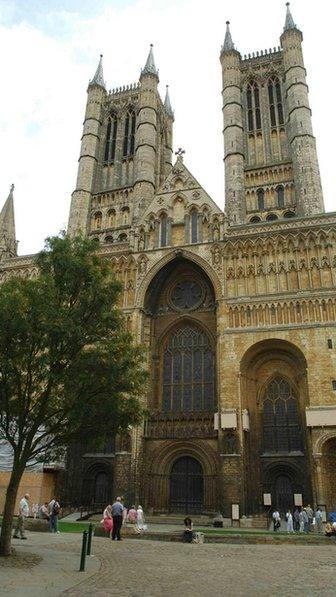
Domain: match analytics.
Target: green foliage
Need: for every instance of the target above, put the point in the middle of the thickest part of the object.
(68, 368)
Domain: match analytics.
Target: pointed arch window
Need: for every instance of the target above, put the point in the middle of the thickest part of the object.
(280, 196)
(281, 423)
(253, 106)
(261, 199)
(194, 226)
(111, 138)
(129, 133)
(188, 371)
(275, 102)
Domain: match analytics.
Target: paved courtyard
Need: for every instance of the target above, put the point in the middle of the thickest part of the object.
(145, 568)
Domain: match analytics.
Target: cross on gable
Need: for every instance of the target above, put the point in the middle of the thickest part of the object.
(179, 152)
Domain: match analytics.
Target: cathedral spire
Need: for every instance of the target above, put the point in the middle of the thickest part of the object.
(167, 104)
(7, 227)
(98, 79)
(228, 43)
(150, 68)
(289, 22)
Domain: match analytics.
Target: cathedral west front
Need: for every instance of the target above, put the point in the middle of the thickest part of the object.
(236, 309)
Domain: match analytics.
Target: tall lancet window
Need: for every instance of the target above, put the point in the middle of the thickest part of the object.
(280, 196)
(261, 199)
(111, 138)
(129, 133)
(253, 106)
(163, 230)
(275, 102)
(194, 226)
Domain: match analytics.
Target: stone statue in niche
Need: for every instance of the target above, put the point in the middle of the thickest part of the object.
(142, 242)
(230, 442)
(142, 267)
(216, 231)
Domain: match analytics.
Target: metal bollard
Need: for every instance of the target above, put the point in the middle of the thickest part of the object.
(83, 554)
(89, 541)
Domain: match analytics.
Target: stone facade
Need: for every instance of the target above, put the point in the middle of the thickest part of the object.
(237, 308)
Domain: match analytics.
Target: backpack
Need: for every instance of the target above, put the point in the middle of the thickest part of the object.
(55, 508)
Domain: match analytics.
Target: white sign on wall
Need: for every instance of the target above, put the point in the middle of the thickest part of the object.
(235, 511)
(298, 499)
(267, 499)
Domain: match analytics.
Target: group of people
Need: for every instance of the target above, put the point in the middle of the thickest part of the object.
(115, 515)
(302, 520)
(47, 511)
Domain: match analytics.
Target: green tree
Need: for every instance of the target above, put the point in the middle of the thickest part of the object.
(68, 368)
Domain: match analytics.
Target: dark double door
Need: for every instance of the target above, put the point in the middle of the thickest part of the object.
(186, 486)
(283, 493)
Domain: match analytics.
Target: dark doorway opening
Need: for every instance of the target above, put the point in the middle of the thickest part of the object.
(186, 486)
(101, 488)
(283, 493)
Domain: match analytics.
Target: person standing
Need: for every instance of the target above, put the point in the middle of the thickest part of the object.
(35, 509)
(22, 515)
(310, 515)
(54, 509)
(318, 518)
(276, 520)
(305, 521)
(107, 520)
(296, 520)
(117, 515)
(140, 519)
(289, 520)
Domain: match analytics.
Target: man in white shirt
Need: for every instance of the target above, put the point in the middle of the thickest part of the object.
(23, 514)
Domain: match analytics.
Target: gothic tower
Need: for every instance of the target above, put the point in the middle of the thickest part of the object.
(126, 153)
(271, 166)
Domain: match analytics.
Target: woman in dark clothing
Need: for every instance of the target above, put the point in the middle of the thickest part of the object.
(188, 530)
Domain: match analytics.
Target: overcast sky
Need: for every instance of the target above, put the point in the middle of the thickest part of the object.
(50, 48)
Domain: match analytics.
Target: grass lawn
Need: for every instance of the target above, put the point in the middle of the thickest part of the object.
(69, 527)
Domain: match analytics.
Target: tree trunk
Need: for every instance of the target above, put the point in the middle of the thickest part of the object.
(7, 519)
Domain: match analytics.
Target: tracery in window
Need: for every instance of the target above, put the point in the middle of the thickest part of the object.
(111, 137)
(188, 371)
(186, 294)
(281, 424)
(275, 102)
(280, 191)
(128, 145)
(261, 199)
(253, 106)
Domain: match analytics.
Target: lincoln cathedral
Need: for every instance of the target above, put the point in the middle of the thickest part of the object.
(236, 308)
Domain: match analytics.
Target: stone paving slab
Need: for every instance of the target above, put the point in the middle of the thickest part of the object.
(58, 570)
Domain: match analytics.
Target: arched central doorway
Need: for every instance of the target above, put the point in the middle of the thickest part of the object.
(186, 486)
